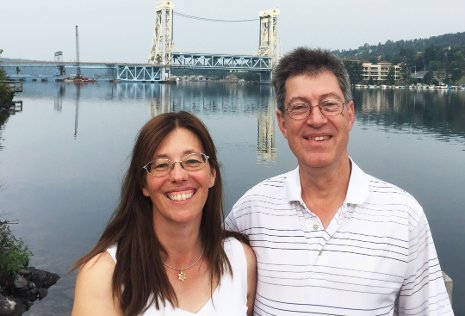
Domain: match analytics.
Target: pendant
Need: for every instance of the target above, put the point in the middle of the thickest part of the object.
(181, 276)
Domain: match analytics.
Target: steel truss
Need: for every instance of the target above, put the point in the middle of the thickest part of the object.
(216, 61)
(138, 73)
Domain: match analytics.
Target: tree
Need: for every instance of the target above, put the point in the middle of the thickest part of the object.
(405, 73)
(390, 78)
(355, 70)
(428, 78)
(435, 65)
(456, 74)
(5, 94)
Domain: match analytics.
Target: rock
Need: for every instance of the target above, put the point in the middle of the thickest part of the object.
(24, 272)
(42, 293)
(7, 307)
(43, 279)
(20, 282)
(20, 307)
(28, 285)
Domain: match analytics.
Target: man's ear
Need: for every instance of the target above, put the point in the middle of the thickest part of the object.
(351, 114)
(281, 122)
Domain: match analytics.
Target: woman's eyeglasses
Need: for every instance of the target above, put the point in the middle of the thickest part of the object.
(162, 166)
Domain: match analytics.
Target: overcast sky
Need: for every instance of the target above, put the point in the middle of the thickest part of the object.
(122, 31)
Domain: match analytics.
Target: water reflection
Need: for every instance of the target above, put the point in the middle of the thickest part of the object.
(211, 98)
(58, 100)
(76, 111)
(266, 148)
(440, 113)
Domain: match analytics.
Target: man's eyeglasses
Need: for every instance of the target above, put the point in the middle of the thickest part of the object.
(301, 110)
(162, 166)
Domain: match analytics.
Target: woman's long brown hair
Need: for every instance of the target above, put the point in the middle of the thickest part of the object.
(139, 279)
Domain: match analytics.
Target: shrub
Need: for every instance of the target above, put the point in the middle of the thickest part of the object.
(14, 254)
(5, 94)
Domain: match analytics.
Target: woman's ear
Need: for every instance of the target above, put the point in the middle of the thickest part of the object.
(212, 177)
(145, 191)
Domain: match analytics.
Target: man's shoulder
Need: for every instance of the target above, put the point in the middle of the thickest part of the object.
(384, 190)
(267, 192)
(271, 184)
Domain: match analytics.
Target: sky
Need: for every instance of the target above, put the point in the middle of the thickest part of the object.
(122, 31)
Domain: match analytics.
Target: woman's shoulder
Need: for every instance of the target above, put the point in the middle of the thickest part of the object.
(239, 247)
(93, 293)
(100, 263)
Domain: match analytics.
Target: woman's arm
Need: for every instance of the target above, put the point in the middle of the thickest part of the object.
(251, 278)
(93, 292)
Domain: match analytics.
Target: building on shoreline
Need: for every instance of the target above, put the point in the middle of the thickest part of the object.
(379, 73)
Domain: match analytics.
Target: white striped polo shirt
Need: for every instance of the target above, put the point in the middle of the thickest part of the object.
(376, 257)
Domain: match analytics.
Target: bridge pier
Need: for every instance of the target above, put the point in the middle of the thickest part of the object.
(265, 77)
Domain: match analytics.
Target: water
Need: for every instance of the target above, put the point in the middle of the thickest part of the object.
(63, 157)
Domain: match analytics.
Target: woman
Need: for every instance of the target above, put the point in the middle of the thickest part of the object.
(164, 251)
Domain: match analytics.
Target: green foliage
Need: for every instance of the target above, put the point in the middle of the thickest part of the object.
(443, 55)
(14, 254)
(404, 74)
(390, 78)
(428, 78)
(355, 70)
(5, 94)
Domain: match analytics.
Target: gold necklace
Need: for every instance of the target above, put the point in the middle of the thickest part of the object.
(182, 274)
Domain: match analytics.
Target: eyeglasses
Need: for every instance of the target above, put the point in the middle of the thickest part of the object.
(301, 110)
(162, 166)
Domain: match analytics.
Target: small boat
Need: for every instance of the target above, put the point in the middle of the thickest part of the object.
(78, 79)
(81, 79)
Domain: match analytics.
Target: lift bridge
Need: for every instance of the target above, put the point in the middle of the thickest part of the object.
(163, 57)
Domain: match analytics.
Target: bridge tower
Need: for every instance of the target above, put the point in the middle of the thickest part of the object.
(160, 54)
(268, 40)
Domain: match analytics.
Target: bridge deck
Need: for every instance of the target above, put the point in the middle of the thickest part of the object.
(149, 72)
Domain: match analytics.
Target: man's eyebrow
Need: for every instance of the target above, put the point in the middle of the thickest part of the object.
(330, 94)
(293, 99)
(323, 96)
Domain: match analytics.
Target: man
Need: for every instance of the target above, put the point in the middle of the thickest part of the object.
(330, 239)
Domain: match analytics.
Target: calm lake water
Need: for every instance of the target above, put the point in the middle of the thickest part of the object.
(63, 157)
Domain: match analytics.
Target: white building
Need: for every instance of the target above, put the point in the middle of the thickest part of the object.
(378, 72)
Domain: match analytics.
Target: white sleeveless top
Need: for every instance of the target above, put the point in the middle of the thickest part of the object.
(229, 298)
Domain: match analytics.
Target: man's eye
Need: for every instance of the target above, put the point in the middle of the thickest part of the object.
(329, 103)
(329, 106)
(298, 108)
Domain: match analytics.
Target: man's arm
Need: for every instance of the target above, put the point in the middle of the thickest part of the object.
(423, 291)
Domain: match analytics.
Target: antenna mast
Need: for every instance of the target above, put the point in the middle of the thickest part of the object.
(78, 68)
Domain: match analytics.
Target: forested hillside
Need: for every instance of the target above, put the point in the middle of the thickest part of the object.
(439, 57)
(403, 50)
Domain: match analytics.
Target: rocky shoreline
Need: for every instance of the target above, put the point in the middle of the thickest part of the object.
(29, 285)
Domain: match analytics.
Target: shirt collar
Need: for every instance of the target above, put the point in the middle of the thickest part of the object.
(358, 190)
(357, 193)
(294, 192)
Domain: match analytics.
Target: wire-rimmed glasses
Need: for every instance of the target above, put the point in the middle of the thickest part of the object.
(162, 166)
(328, 107)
